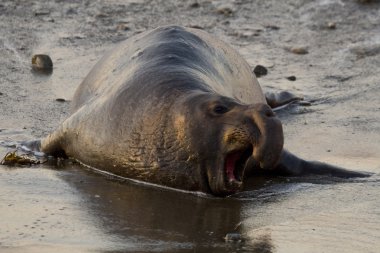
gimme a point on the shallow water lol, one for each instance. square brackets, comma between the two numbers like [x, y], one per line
[71, 208]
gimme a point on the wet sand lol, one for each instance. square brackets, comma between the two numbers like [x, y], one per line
[71, 209]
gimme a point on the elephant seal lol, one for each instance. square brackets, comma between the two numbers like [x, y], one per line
[176, 107]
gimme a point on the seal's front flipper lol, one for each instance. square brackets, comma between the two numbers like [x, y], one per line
[52, 144]
[292, 165]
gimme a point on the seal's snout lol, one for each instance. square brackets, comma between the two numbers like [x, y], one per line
[262, 111]
[250, 133]
[270, 140]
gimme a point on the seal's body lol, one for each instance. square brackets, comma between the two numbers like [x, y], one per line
[175, 107]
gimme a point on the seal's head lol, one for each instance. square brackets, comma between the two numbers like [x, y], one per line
[225, 134]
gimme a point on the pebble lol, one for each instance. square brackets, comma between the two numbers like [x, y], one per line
[225, 10]
[101, 15]
[123, 27]
[291, 78]
[233, 237]
[299, 50]
[331, 25]
[272, 27]
[42, 62]
[260, 70]
[42, 13]
[196, 27]
[71, 11]
[195, 5]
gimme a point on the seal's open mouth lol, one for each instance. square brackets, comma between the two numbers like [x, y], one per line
[234, 166]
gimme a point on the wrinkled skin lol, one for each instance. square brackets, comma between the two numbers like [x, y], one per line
[226, 134]
[178, 108]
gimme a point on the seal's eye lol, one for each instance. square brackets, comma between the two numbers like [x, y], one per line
[220, 109]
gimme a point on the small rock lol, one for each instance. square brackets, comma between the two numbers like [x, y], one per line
[195, 5]
[291, 78]
[42, 62]
[123, 27]
[299, 50]
[196, 27]
[42, 13]
[331, 25]
[102, 15]
[60, 100]
[233, 237]
[260, 70]
[225, 10]
[71, 11]
[272, 27]
[78, 37]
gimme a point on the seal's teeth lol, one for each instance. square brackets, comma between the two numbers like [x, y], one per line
[234, 184]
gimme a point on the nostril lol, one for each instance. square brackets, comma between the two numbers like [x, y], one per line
[269, 113]
[263, 111]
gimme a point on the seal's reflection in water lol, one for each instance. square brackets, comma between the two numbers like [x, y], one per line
[161, 219]
[263, 244]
